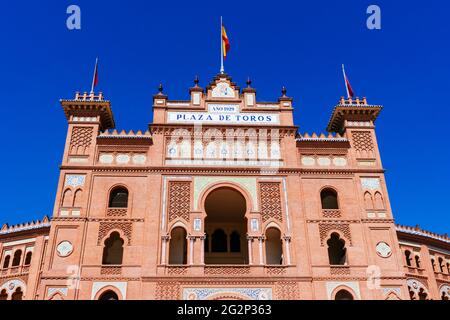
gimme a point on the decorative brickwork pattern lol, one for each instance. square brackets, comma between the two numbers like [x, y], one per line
[222, 270]
[111, 270]
[275, 270]
[80, 140]
[362, 141]
[168, 290]
[325, 229]
[179, 199]
[116, 212]
[270, 200]
[176, 270]
[106, 227]
[331, 213]
[339, 271]
[287, 290]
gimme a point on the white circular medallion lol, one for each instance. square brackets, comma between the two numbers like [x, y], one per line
[383, 250]
[64, 248]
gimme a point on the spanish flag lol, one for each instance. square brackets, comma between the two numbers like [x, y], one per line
[225, 42]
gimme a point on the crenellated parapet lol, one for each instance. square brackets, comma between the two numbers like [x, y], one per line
[26, 226]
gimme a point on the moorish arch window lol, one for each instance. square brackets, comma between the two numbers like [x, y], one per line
[178, 246]
[17, 258]
[408, 258]
[219, 242]
[118, 198]
[343, 295]
[235, 242]
[433, 264]
[113, 249]
[3, 295]
[337, 253]
[274, 251]
[441, 264]
[329, 199]
[417, 258]
[18, 294]
[109, 295]
[6, 262]
[28, 258]
[67, 198]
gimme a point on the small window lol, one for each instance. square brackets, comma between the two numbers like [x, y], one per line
[417, 258]
[28, 258]
[408, 258]
[6, 262]
[3, 295]
[329, 199]
[118, 198]
[17, 258]
[235, 242]
[18, 294]
[219, 241]
[441, 264]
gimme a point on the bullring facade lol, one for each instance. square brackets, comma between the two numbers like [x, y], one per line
[221, 198]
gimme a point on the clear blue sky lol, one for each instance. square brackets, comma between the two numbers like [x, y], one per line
[300, 44]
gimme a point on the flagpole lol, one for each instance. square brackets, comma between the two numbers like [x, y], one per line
[222, 70]
[345, 82]
[93, 76]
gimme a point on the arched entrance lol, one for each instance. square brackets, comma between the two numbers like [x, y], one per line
[226, 227]
[109, 295]
[343, 295]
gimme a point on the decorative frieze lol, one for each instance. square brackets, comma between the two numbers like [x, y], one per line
[80, 140]
[107, 226]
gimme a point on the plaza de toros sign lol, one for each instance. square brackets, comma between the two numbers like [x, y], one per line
[223, 114]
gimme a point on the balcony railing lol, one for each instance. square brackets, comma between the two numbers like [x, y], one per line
[15, 270]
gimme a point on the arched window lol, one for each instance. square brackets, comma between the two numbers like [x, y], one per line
[17, 295]
[178, 246]
[28, 258]
[336, 250]
[448, 267]
[379, 203]
[113, 249]
[329, 199]
[422, 294]
[408, 258]
[274, 251]
[417, 258]
[219, 241]
[118, 198]
[108, 295]
[343, 295]
[77, 198]
[17, 258]
[3, 295]
[441, 264]
[6, 262]
[235, 242]
[433, 264]
[368, 202]
[67, 198]
[411, 293]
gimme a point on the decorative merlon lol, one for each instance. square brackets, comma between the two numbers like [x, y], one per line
[329, 137]
[6, 229]
[418, 231]
[123, 134]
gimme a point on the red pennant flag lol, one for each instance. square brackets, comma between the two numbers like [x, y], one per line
[95, 78]
[348, 87]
